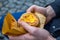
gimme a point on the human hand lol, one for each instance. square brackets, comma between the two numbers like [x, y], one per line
[34, 33]
[47, 11]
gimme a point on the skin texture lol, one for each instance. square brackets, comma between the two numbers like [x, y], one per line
[35, 33]
[47, 11]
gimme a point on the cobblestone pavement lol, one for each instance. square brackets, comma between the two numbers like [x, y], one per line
[19, 5]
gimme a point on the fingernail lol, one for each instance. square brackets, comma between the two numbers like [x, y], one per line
[28, 12]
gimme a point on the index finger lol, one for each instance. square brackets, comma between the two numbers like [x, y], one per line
[26, 26]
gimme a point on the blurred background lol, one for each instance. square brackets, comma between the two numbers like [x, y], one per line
[19, 5]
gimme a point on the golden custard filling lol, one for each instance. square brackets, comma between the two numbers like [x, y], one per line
[12, 28]
[30, 18]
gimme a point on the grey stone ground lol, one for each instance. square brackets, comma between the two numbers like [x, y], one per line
[19, 5]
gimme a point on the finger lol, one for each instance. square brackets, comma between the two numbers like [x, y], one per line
[15, 38]
[22, 37]
[35, 8]
[29, 28]
[31, 9]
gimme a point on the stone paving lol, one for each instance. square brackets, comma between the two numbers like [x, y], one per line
[19, 5]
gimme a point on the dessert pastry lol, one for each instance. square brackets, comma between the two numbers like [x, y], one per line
[12, 28]
[30, 18]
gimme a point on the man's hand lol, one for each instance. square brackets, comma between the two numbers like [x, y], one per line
[34, 33]
[48, 11]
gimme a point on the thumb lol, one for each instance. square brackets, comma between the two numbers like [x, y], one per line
[37, 32]
[27, 27]
[31, 9]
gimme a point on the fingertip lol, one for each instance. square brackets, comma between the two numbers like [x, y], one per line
[28, 10]
[24, 24]
[19, 21]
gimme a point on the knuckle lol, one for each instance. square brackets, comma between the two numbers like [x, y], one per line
[33, 5]
[35, 31]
